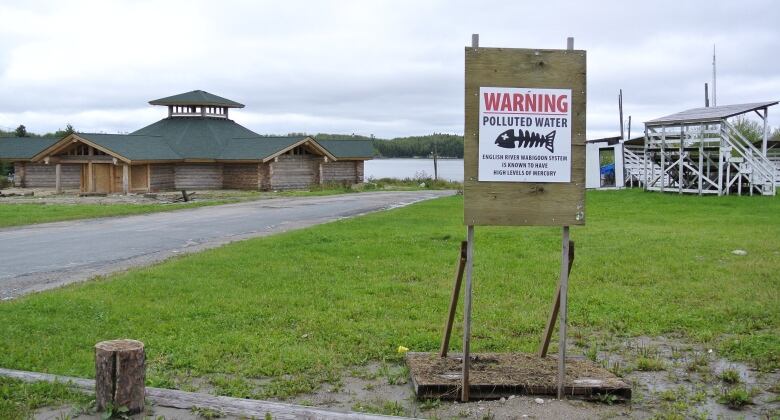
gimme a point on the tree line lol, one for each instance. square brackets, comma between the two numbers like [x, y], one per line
[21, 131]
[445, 145]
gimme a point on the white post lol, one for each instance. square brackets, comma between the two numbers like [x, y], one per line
[663, 158]
[766, 129]
[644, 161]
[701, 155]
[680, 162]
[722, 133]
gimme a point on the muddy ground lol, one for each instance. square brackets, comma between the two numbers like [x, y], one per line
[669, 379]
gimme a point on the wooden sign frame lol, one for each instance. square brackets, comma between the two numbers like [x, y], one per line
[504, 203]
[515, 203]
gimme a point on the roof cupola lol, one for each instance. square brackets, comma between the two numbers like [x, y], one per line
[197, 103]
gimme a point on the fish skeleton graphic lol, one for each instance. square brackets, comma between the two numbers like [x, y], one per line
[509, 140]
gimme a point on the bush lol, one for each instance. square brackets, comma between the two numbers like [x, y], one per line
[5, 182]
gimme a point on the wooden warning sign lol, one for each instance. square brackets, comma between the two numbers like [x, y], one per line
[524, 158]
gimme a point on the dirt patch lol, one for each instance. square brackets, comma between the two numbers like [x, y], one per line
[688, 384]
[672, 378]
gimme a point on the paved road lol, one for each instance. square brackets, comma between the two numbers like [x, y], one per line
[44, 256]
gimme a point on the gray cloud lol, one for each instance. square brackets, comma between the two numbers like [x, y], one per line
[387, 68]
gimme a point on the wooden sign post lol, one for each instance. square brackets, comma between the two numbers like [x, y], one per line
[524, 160]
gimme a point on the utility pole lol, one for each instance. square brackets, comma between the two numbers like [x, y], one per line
[620, 107]
[706, 96]
[629, 128]
[714, 79]
[435, 163]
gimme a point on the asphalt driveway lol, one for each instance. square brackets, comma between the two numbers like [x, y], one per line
[39, 257]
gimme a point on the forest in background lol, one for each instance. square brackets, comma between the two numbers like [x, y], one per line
[446, 145]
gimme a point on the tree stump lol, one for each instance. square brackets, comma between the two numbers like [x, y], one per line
[120, 375]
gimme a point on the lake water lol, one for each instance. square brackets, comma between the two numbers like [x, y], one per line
[449, 169]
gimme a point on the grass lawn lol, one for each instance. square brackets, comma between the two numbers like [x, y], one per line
[26, 213]
[30, 213]
[19, 400]
[301, 306]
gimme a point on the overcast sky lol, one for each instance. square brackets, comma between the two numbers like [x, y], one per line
[388, 68]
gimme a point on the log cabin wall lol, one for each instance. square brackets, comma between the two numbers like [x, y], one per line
[339, 172]
[264, 176]
[240, 176]
[292, 172]
[163, 177]
[359, 171]
[201, 176]
[18, 174]
[38, 175]
[139, 178]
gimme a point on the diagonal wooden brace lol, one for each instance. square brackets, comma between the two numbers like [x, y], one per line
[548, 331]
[445, 342]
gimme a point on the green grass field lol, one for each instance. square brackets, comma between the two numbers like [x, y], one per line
[30, 213]
[302, 306]
[27, 213]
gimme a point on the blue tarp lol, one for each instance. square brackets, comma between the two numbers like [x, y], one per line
[608, 169]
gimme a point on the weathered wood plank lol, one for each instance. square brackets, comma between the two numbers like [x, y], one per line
[498, 375]
[342, 171]
[45, 176]
[162, 177]
[445, 341]
[295, 172]
[193, 176]
[240, 176]
[188, 400]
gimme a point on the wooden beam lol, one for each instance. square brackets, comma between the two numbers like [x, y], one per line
[23, 174]
[125, 179]
[90, 178]
[238, 407]
[555, 308]
[58, 178]
[464, 396]
[445, 342]
[564, 311]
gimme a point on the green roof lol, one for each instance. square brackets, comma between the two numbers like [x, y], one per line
[134, 147]
[256, 147]
[345, 149]
[197, 97]
[197, 137]
[23, 148]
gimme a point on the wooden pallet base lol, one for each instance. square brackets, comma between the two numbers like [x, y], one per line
[496, 375]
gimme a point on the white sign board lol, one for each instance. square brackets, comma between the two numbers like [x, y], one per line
[524, 135]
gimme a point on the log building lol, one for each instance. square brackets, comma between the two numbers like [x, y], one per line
[196, 147]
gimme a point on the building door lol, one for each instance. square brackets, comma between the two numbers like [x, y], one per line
[102, 177]
[139, 180]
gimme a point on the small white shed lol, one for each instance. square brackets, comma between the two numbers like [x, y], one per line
[604, 168]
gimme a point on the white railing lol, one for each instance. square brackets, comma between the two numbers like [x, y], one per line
[763, 170]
